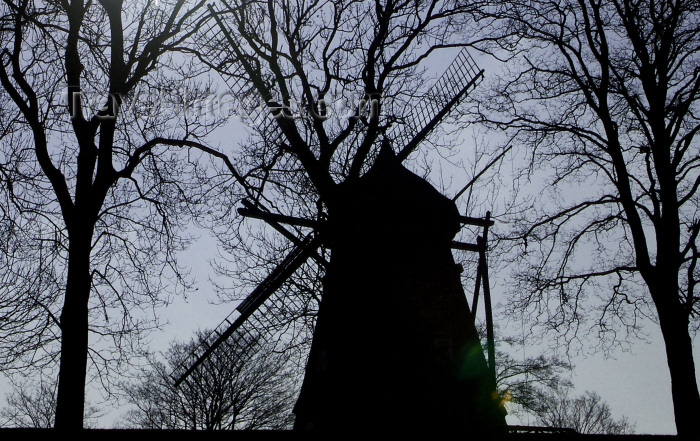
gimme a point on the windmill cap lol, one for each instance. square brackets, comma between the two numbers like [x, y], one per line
[389, 200]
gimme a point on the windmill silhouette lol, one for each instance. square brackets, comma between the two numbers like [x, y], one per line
[413, 358]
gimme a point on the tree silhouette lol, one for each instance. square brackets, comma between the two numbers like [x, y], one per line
[34, 405]
[245, 386]
[527, 384]
[604, 95]
[93, 203]
[586, 413]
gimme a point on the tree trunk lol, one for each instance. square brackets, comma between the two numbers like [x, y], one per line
[70, 400]
[673, 322]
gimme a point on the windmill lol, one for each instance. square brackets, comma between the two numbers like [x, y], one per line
[371, 207]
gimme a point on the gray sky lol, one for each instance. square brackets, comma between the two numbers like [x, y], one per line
[635, 384]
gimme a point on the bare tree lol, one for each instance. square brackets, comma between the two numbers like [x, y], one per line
[603, 95]
[244, 387]
[29, 408]
[326, 71]
[586, 413]
[93, 202]
[527, 383]
[34, 405]
[539, 389]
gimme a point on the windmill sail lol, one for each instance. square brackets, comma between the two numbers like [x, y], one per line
[222, 56]
[248, 306]
[448, 91]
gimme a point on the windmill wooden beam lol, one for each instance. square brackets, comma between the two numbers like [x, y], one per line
[476, 221]
[278, 218]
[275, 220]
[466, 246]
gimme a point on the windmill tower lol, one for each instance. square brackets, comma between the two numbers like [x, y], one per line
[395, 345]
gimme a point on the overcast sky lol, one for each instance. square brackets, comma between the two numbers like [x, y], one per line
[635, 384]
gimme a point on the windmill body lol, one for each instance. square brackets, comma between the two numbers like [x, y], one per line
[395, 347]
